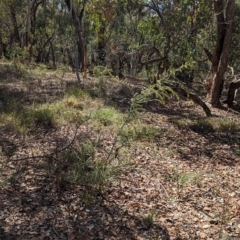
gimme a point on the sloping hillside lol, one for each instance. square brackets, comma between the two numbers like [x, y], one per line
[77, 164]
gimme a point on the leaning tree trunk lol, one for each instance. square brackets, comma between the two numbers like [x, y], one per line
[219, 58]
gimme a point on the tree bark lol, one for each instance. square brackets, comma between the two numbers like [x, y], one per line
[1, 39]
[34, 6]
[77, 21]
[28, 23]
[214, 84]
[192, 96]
[16, 37]
[231, 92]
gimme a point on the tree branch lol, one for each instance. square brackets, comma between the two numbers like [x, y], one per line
[56, 151]
[191, 96]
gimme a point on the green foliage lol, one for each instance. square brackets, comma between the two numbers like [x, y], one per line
[77, 93]
[43, 117]
[185, 178]
[228, 126]
[18, 54]
[98, 89]
[208, 125]
[108, 116]
[79, 165]
[13, 70]
[140, 132]
[179, 32]
[100, 71]
[14, 122]
[24, 120]
[181, 123]
[156, 92]
[148, 220]
[202, 126]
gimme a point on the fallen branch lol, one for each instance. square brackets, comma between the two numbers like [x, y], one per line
[191, 96]
[57, 151]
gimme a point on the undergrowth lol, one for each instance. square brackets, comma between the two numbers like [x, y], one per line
[207, 125]
[97, 156]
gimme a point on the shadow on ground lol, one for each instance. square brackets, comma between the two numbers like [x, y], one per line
[32, 214]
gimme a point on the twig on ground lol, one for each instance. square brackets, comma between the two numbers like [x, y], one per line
[56, 151]
[57, 233]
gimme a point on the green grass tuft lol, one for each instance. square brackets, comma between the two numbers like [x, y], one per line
[228, 126]
[79, 165]
[77, 93]
[42, 116]
[108, 116]
[203, 126]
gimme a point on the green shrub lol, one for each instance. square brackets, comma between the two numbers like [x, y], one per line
[100, 71]
[79, 165]
[43, 117]
[77, 93]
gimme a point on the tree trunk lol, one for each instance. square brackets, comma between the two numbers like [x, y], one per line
[214, 84]
[28, 23]
[77, 21]
[34, 7]
[101, 44]
[182, 92]
[1, 39]
[231, 92]
[16, 37]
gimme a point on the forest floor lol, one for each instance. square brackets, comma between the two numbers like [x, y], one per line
[168, 172]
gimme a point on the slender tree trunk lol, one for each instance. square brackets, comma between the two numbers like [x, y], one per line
[28, 23]
[85, 62]
[219, 59]
[1, 39]
[77, 21]
[101, 44]
[16, 36]
[53, 55]
[232, 91]
[34, 7]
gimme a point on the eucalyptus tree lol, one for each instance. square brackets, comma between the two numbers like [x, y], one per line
[1, 29]
[77, 9]
[224, 12]
[102, 20]
[176, 26]
[44, 28]
[12, 17]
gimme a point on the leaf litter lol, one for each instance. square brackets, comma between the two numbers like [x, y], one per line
[181, 185]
